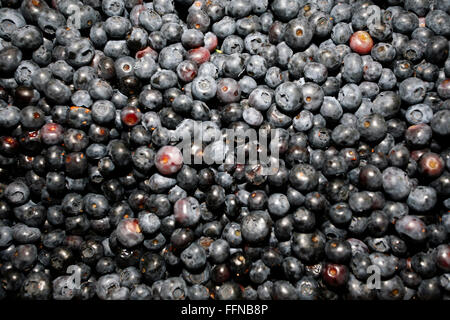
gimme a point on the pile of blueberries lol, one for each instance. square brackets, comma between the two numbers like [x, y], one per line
[97, 201]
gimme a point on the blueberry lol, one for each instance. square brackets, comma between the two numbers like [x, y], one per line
[405, 22]
[17, 193]
[129, 233]
[308, 246]
[437, 123]
[298, 33]
[392, 289]
[335, 275]
[36, 286]
[6, 236]
[219, 251]
[353, 68]
[11, 58]
[193, 257]
[412, 228]
[255, 228]
[437, 21]
[107, 286]
[412, 90]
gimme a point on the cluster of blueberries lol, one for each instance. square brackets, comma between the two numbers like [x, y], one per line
[98, 202]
